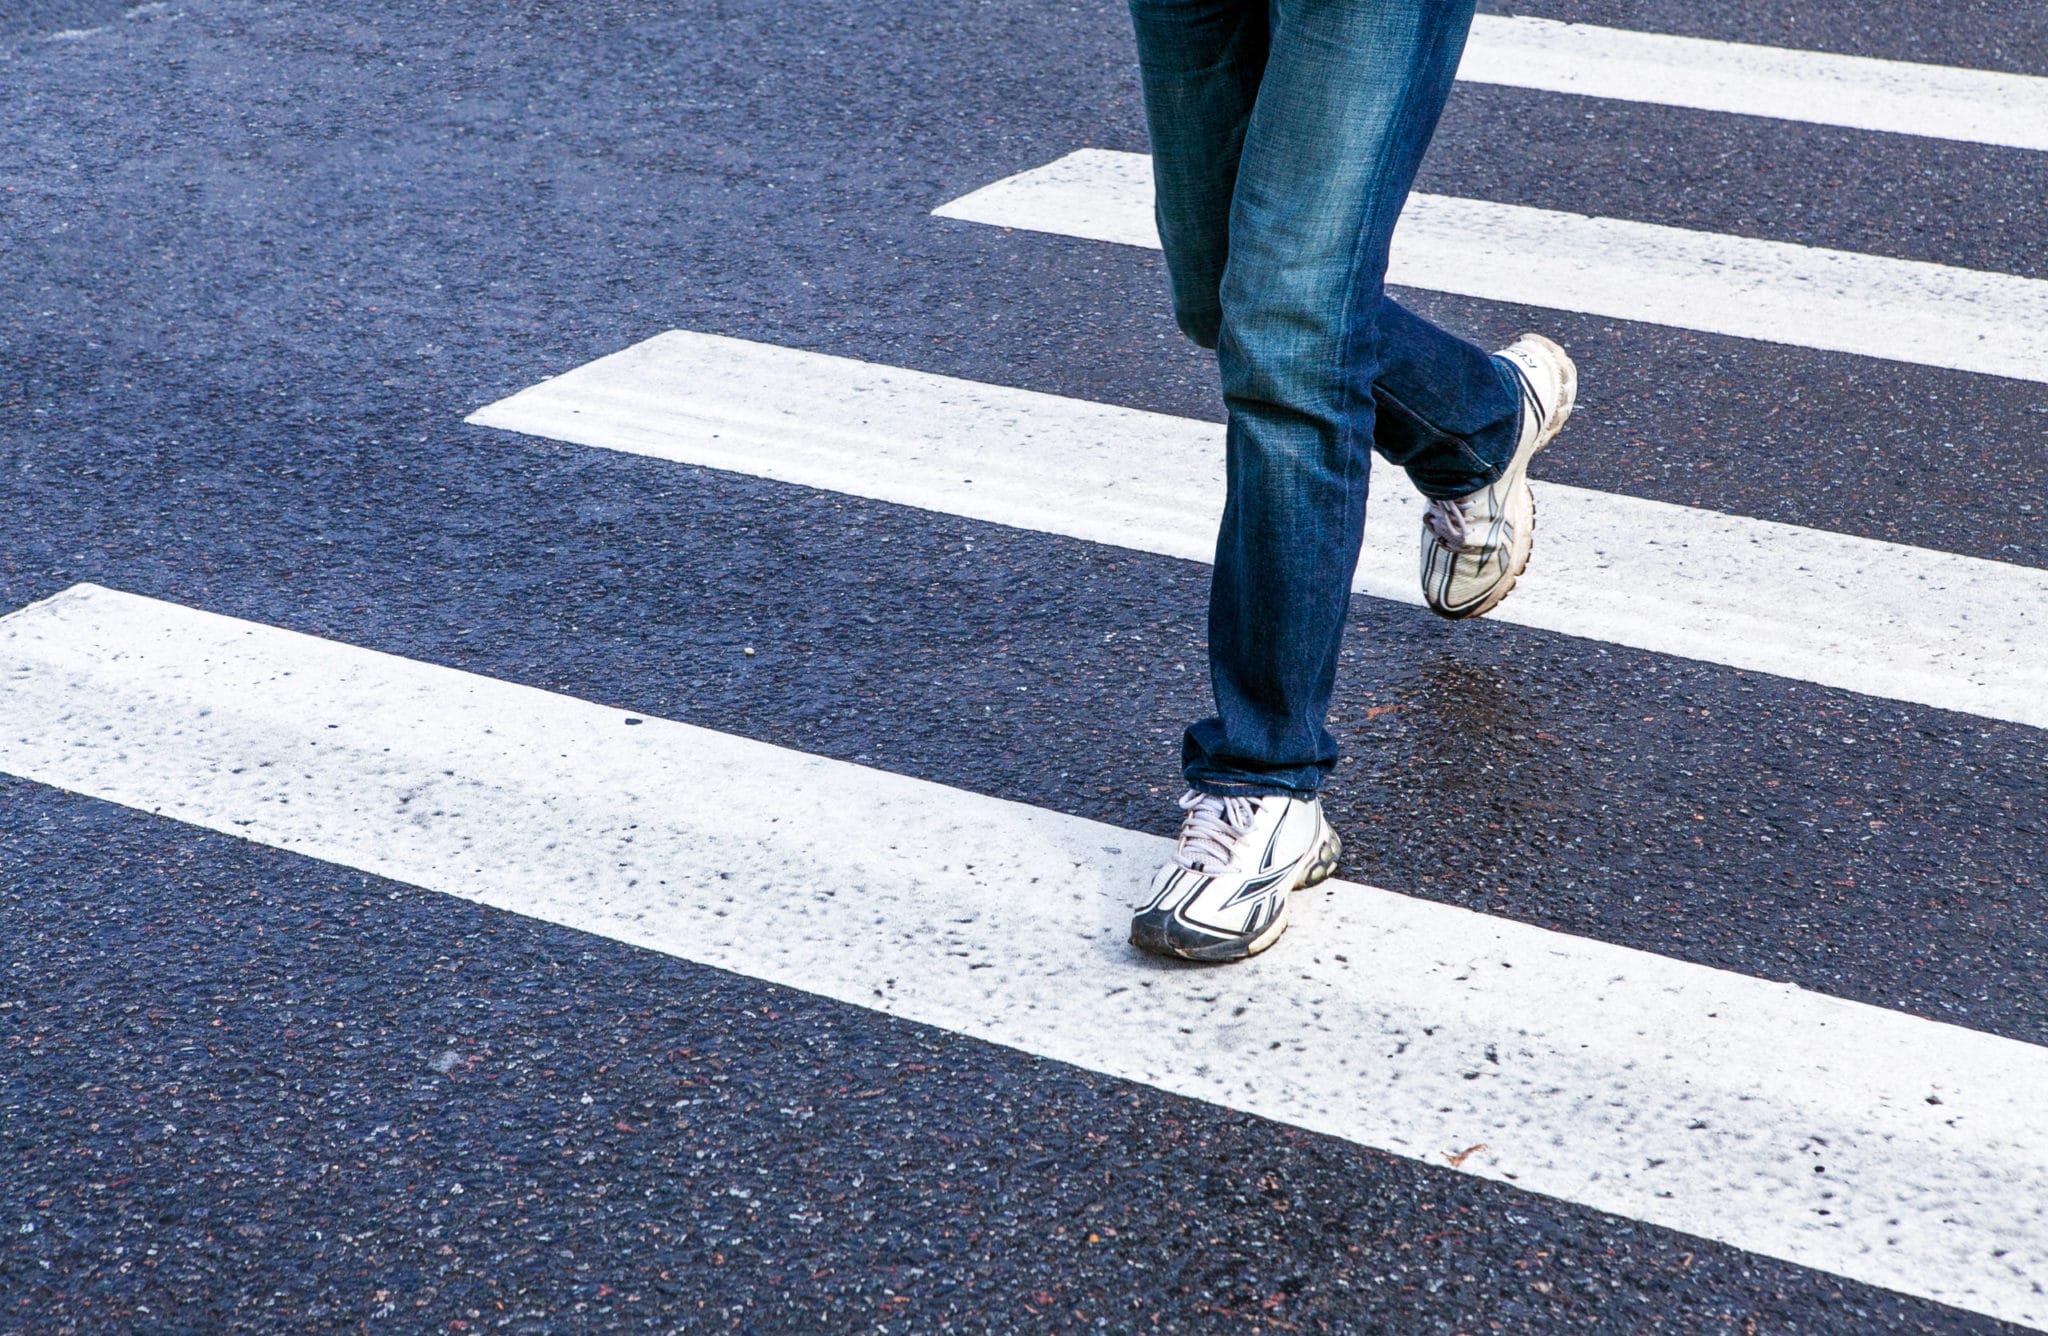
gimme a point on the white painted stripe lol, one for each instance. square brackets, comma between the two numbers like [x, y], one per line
[1882, 1147]
[1840, 301]
[1932, 101]
[1879, 618]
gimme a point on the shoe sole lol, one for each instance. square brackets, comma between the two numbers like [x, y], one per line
[1525, 537]
[1315, 872]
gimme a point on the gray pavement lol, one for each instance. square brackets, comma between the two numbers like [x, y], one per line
[259, 259]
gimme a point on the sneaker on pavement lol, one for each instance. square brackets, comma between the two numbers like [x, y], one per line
[1474, 546]
[1224, 895]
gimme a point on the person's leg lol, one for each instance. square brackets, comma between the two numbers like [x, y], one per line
[1319, 367]
[1200, 63]
[1443, 408]
[1286, 134]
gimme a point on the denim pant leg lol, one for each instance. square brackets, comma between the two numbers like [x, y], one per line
[1286, 134]
[1443, 409]
[1200, 63]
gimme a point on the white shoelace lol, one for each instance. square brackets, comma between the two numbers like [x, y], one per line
[1446, 519]
[1212, 829]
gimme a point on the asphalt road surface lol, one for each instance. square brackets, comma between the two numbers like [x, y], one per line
[259, 261]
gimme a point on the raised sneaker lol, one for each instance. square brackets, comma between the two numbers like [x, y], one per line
[1474, 546]
[1224, 895]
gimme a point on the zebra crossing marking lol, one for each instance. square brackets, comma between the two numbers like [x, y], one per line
[1819, 87]
[1882, 619]
[1882, 1147]
[1772, 291]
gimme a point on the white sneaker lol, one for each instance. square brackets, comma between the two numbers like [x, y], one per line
[1474, 546]
[1224, 896]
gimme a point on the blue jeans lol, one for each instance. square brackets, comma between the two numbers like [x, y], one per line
[1285, 137]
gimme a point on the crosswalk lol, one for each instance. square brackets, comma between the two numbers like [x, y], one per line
[1898, 97]
[1883, 619]
[1865, 1143]
[1770, 291]
[1893, 1150]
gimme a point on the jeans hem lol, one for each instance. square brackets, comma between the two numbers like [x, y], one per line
[1430, 493]
[1233, 788]
[1485, 473]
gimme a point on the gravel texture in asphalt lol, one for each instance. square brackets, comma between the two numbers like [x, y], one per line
[257, 260]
